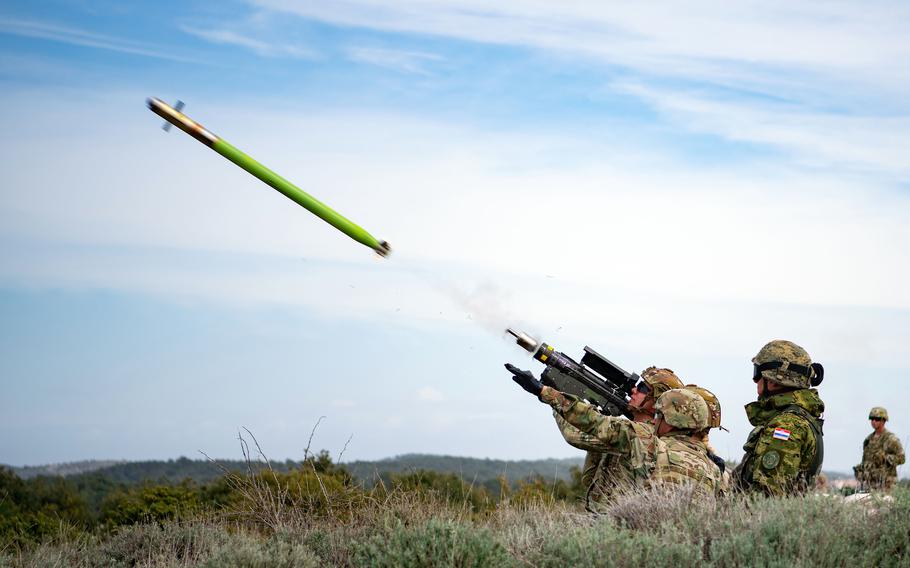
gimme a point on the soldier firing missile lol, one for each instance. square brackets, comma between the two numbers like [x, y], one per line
[302, 198]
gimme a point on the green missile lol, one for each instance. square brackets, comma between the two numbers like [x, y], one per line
[302, 198]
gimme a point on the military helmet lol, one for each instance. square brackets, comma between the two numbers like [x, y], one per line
[878, 412]
[660, 380]
[683, 409]
[786, 364]
[711, 401]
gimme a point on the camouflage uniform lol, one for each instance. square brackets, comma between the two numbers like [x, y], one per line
[714, 416]
[649, 460]
[882, 453]
[784, 451]
[607, 471]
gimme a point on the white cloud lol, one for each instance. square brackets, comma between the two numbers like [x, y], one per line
[75, 36]
[395, 59]
[700, 39]
[873, 143]
[827, 81]
[429, 394]
[444, 196]
[260, 47]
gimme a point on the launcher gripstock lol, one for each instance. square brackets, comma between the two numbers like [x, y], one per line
[595, 380]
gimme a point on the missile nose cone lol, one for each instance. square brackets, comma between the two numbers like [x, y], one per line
[527, 342]
[154, 103]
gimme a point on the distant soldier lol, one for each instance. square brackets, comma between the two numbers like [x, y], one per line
[882, 453]
[607, 471]
[666, 453]
[713, 422]
[784, 451]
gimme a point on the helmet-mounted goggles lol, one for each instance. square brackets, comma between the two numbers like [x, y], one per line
[814, 372]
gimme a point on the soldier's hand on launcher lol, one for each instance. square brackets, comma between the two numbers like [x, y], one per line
[525, 379]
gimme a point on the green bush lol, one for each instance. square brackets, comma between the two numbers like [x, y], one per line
[279, 551]
[38, 508]
[449, 488]
[150, 503]
[607, 545]
[815, 530]
[438, 544]
[539, 490]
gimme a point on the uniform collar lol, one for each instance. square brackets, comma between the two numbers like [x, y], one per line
[765, 408]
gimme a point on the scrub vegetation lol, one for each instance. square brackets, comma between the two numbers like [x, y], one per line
[318, 514]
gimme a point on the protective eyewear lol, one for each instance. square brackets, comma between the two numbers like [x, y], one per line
[814, 372]
[643, 387]
[876, 419]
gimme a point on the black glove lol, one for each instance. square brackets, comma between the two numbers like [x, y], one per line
[525, 379]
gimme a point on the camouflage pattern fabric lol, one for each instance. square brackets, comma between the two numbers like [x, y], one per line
[714, 414]
[650, 460]
[605, 471]
[660, 380]
[787, 352]
[683, 409]
[882, 453]
[781, 449]
[878, 412]
[726, 480]
[680, 459]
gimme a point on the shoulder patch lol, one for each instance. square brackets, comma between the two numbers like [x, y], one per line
[770, 460]
[781, 434]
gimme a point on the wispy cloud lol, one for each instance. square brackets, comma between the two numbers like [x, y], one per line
[429, 394]
[395, 59]
[661, 37]
[260, 47]
[818, 138]
[815, 56]
[75, 36]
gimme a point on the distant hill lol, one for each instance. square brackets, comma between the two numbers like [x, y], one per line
[468, 468]
[204, 471]
[64, 469]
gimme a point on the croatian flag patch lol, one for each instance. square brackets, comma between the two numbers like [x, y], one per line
[781, 434]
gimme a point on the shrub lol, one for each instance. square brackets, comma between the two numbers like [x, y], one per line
[607, 545]
[36, 509]
[150, 503]
[246, 551]
[449, 488]
[540, 490]
[438, 544]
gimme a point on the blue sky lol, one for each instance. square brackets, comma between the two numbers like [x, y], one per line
[670, 185]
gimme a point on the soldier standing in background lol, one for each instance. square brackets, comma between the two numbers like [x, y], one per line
[606, 471]
[666, 453]
[784, 451]
[882, 453]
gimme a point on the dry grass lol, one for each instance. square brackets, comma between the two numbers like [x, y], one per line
[317, 516]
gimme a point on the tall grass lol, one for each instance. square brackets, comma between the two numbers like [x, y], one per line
[417, 526]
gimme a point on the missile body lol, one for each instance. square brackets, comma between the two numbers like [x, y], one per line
[290, 190]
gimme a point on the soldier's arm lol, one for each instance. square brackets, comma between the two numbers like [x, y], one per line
[611, 433]
[894, 452]
[785, 446]
[576, 438]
